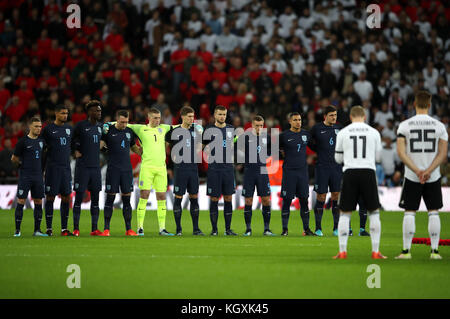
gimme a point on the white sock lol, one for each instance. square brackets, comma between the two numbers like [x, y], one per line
[409, 228]
[434, 228]
[375, 230]
[343, 229]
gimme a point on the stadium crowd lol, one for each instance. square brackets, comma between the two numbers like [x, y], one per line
[268, 57]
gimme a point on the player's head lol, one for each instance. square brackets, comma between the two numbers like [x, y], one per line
[422, 100]
[61, 113]
[122, 117]
[295, 120]
[94, 109]
[330, 115]
[220, 114]
[35, 126]
[154, 117]
[258, 124]
[187, 115]
[357, 114]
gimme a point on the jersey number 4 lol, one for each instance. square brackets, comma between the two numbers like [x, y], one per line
[422, 136]
[355, 145]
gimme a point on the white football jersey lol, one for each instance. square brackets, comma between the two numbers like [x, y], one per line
[360, 146]
[422, 134]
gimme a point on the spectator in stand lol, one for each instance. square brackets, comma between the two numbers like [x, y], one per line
[7, 169]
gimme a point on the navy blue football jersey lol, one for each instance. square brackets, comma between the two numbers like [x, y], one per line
[58, 139]
[225, 141]
[324, 143]
[256, 148]
[29, 151]
[119, 143]
[179, 140]
[86, 140]
[294, 146]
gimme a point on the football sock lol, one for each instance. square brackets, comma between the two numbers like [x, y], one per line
[18, 214]
[285, 212]
[77, 210]
[127, 210]
[194, 209]
[108, 210]
[94, 210]
[335, 212]
[343, 230]
[228, 214]
[375, 230]
[409, 228]
[266, 217]
[161, 212]
[142, 207]
[304, 213]
[37, 216]
[64, 210]
[248, 216]
[177, 212]
[49, 213]
[213, 214]
[318, 213]
[434, 229]
[362, 217]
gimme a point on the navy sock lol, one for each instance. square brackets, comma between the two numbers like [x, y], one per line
[77, 210]
[335, 212]
[64, 209]
[318, 213]
[94, 211]
[177, 212]
[228, 214]
[18, 215]
[214, 214]
[108, 210]
[362, 218]
[304, 213]
[49, 213]
[37, 217]
[285, 212]
[248, 216]
[127, 211]
[266, 217]
[194, 209]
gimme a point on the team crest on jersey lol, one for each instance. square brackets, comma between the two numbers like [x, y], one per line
[176, 188]
[48, 188]
[304, 138]
[336, 131]
[108, 187]
[264, 140]
[68, 131]
[99, 130]
[128, 135]
[20, 191]
[193, 134]
[41, 144]
[160, 130]
[229, 134]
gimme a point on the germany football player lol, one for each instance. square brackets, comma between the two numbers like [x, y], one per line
[58, 175]
[218, 140]
[186, 154]
[28, 156]
[119, 139]
[422, 145]
[86, 144]
[255, 144]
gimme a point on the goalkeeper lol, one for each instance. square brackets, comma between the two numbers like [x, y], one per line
[153, 172]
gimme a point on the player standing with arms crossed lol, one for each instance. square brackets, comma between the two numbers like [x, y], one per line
[28, 156]
[295, 181]
[422, 147]
[358, 147]
[58, 175]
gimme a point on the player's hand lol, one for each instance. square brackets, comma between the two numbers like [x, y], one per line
[140, 151]
[78, 154]
[425, 176]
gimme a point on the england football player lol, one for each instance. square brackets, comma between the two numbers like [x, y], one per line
[257, 143]
[294, 183]
[28, 156]
[86, 144]
[58, 176]
[358, 147]
[119, 139]
[219, 139]
[422, 147]
[187, 137]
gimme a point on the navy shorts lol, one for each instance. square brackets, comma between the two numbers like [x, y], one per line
[220, 182]
[328, 177]
[58, 180]
[185, 180]
[253, 178]
[295, 183]
[35, 184]
[89, 178]
[115, 178]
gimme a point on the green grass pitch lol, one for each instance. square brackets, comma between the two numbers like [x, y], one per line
[219, 267]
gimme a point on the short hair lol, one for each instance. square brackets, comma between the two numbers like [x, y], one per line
[123, 113]
[357, 111]
[154, 110]
[92, 103]
[422, 99]
[258, 118]
[329, 109]
[294, 114]
[220, 108]
[60, 107]
[34, 119]
[185, 110]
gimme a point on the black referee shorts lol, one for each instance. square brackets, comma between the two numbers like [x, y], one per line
[412, 193]
[359, 183]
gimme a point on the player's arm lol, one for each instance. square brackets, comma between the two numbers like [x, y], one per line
[133, 146]
[312, 143]
[135, 127]
[339, 150]
[440, 158]
[76, 145]
[378, 148]
[401, 151]
[18, 153]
